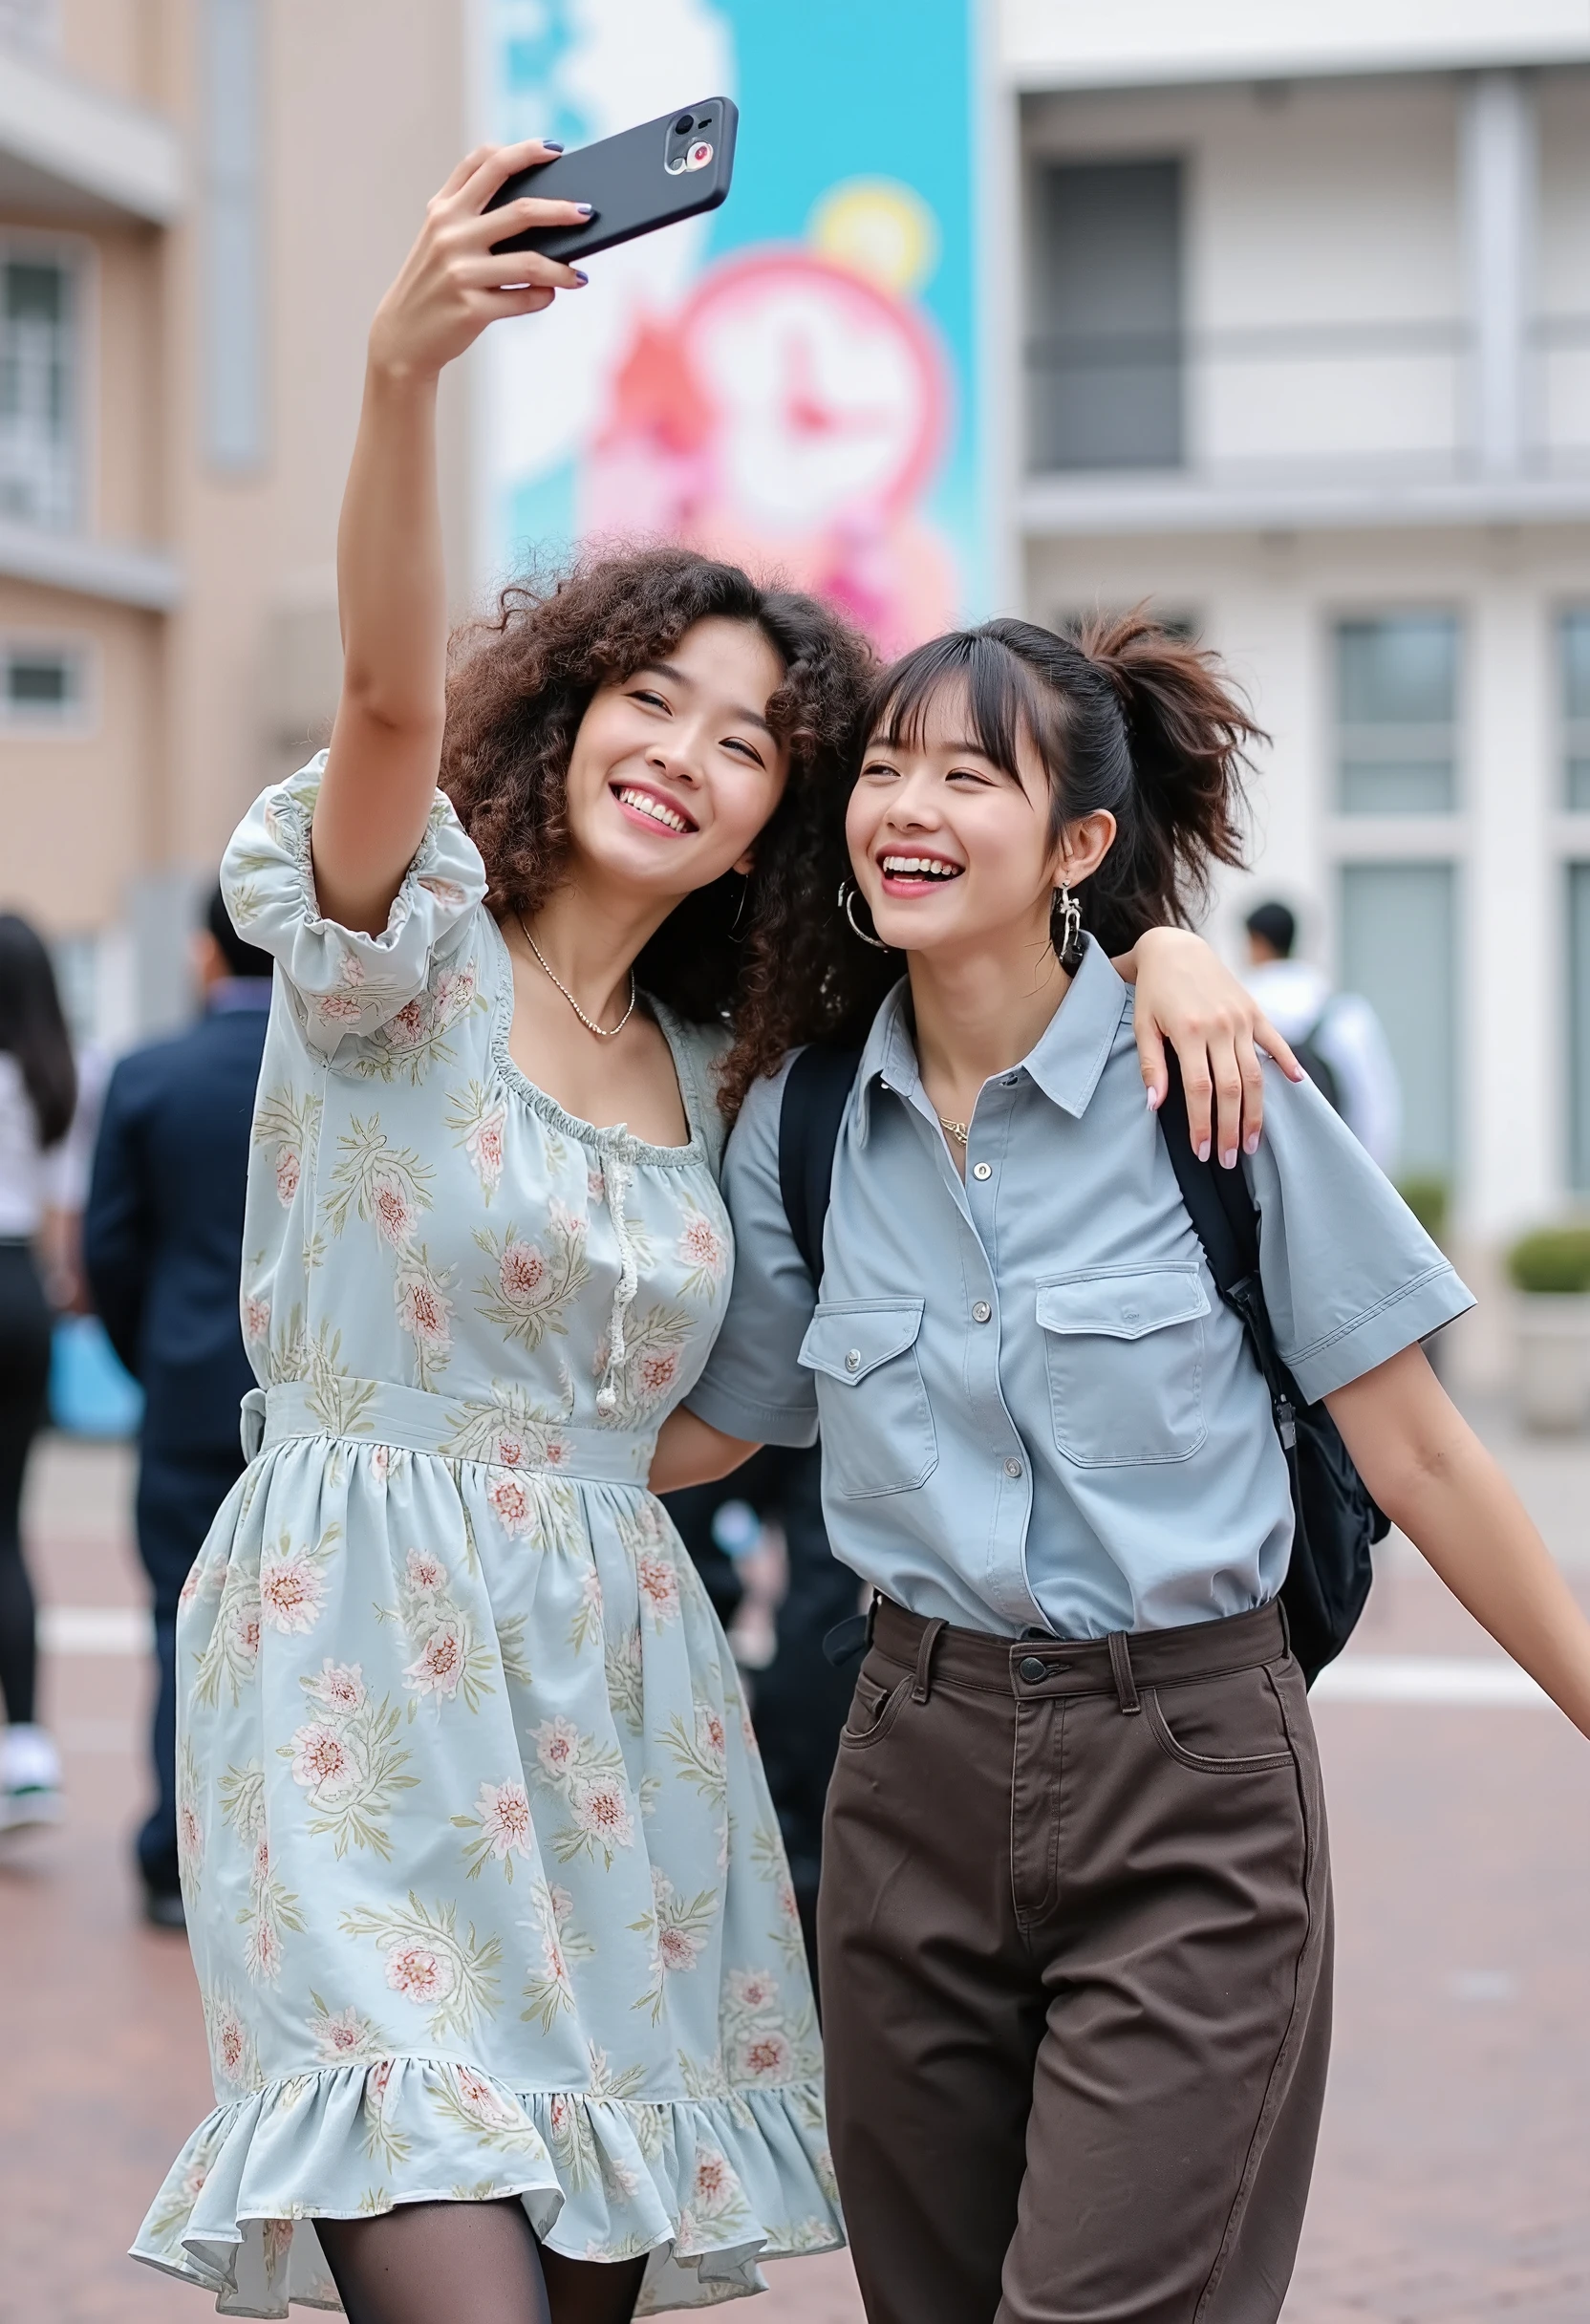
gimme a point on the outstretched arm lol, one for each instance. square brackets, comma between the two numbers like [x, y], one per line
[386, 742]
[1433, 1477]
[1187, 996]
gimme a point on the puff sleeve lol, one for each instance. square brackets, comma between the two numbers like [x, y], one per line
[344, 986]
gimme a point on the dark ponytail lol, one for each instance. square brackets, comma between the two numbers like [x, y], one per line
[33, 1027]
[1124, 717]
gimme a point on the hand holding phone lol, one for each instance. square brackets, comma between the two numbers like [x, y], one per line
[672, 168]
[454, 282]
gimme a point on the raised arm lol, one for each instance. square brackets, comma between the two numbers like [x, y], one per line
[386, 742]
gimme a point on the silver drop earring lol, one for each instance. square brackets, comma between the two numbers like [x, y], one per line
[1065, 929]
[846, 905]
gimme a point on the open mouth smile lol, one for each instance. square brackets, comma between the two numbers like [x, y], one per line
[650, 809]
[913, 874]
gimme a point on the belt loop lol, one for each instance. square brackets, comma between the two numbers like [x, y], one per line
[1121, 1670]
[922, 1685]
[1285, 1628]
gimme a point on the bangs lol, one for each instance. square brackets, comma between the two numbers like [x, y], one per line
[1000, 703]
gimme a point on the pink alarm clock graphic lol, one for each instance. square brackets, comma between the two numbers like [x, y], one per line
[789, 415]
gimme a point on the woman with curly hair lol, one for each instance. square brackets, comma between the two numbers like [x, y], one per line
[500, 1966]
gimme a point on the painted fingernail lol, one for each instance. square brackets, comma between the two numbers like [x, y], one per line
[586, 209]
[579, 277]
[551, 145]
[1228, 1160]
[1153, 1101]
[1203, 1151]
[1250, 1144]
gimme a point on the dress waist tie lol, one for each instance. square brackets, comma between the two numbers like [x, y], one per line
[497, 1431]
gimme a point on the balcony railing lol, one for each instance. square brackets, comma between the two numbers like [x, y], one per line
[1299, 401]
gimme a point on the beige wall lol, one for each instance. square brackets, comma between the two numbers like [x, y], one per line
[72, 805]
[364, 113]
[364, 117]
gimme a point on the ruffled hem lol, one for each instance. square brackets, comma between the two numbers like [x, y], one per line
[710, 2187]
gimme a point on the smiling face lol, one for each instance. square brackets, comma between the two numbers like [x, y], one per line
[675, 770]
[951, 849]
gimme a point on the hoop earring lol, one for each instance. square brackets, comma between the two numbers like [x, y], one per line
[739, 909]
[1066, 938]
[846, 905]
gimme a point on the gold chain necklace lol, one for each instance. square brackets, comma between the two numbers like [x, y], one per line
[603, 1032]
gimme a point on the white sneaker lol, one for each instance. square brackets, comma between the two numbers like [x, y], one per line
[29, 1778]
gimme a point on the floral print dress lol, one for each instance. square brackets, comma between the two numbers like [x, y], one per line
[485, 1893]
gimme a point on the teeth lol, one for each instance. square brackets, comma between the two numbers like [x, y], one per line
[646, 805]
[912, 866]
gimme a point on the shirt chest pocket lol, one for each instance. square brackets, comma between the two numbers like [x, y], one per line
[877, 1427]
[1125, 1350]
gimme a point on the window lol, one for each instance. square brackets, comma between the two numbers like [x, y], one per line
[38, 451]
[42, 685]
[1576, 706]
[1396, 688]
[1107, 352]
[1397, 949]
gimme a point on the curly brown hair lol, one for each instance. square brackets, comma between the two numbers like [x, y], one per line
[756, 952]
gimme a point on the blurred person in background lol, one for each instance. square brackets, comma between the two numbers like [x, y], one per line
[1338, 1038]
[38, 1089]
[163, 1245]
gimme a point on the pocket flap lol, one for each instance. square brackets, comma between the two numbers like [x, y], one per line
[1122, 1303]
[852, 1338]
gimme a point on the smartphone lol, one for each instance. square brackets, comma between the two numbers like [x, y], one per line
[674, 167]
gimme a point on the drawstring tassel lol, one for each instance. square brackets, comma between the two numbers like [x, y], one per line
[616, 1182]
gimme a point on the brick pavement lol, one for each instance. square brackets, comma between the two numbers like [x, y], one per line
[1451, 2184]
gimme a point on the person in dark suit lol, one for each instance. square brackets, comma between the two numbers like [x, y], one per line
[163, 1246]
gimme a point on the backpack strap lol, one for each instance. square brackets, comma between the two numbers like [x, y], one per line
[1226, 1221]
[810, 1111]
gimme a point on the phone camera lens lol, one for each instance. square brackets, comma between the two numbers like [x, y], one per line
[685, 123]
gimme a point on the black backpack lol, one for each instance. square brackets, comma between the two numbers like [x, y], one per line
[1336, 1521]
[1316, 1065]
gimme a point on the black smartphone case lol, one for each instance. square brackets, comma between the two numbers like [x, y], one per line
[627, 182]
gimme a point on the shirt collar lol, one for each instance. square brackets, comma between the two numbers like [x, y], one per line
[1066, 1061]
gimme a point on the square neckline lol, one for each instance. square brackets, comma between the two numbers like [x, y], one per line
[609, 1137]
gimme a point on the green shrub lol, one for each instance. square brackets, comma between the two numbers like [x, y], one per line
[1430, 1200]
[1553, 1259]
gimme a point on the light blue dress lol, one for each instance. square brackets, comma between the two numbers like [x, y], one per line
[486, 1893]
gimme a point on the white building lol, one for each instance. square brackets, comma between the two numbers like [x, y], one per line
[1299, 345]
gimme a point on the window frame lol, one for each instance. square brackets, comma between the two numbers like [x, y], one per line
[82, 718]
[78, 256]
[1343, 618]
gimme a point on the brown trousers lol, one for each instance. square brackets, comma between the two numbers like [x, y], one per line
[1075, 1936]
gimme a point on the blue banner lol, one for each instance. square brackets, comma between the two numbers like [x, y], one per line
[791, 380]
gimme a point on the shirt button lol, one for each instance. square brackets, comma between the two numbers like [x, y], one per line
[1013, 1467]
[1032, 1669]
[981, 1311]
[852, 1360]
[983, 1169]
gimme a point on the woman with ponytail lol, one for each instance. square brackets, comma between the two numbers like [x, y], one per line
[1075, 1929]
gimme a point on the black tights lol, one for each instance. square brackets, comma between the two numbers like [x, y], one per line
[468, 2262]
[24, 1374]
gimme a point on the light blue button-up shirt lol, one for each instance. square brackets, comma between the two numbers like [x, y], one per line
[1036, 1411]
